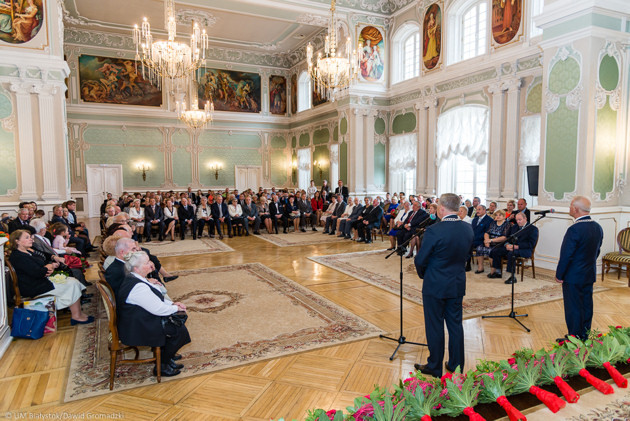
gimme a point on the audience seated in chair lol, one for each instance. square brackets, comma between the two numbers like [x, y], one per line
[523, 246]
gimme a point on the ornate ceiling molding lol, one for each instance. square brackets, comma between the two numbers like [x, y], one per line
[187, 16]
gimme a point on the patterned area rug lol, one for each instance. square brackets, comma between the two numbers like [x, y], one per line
[592, 405]
[226, 305]
[186, 247]
[483, 295]
[300, 238]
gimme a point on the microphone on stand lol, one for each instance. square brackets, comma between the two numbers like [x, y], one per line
[545, 212]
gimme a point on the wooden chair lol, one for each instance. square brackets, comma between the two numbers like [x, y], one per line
[520, 263]
[116, 348]
[620, 258]
[19, 300]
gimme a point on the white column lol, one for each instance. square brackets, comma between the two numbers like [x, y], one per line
[512, 136]
[368, 138]
[356, 147]
[49, 139]
[421, 152]
[431, 103]
[28, 183]
[494, 147]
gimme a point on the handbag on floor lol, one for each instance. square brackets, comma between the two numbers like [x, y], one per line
[28, 324]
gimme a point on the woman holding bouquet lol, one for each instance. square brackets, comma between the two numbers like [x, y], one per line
[33, 272]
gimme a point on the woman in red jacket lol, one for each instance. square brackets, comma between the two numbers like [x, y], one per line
[318, 206]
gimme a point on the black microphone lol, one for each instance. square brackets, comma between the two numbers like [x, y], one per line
[545, 212]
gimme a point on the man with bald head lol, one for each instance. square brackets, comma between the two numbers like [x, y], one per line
[577, 267]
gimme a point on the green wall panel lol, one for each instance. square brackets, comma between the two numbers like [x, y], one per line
[606, 136]
[321, 154]
[304, 139]
[379, 126]
[561, 150]
[293, 142]
[294, 177]
[229, 158]
[182, 175]
[404, 123]
[336, 134]
[321, 136]
[279, 163]
[379, 164]
[564, 76]
[8, 169]
[609, 73]
[128, 157]
[6, 108]
[343, 162]
[278, 142]
[223, 139]
[180, 138]
[343, 126]
[534, 99]
[117, 136]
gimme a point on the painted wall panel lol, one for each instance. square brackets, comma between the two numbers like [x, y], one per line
[321, 154]
[379, 164]
[279, 163]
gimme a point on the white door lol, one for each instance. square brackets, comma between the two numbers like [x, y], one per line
[102, 179]
[248, 177]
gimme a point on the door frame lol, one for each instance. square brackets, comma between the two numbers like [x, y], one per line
[88, 176]
[259, 168]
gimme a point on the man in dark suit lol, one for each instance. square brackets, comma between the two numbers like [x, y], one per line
[276, 210]
[472, 209]
[364, 212]
[342, 190]
[82, 244]
[186, 214]
[220, 215]
[115, 272]
[331, 221]
[441, 263]
[480, 224]
[306, 213]
[21, 222]
[411, 223]
[77, 226]
[250, 215]
[577, 267]
[153, 215]
[521, 207]
[524, 244]
[371, 220]
[345, 226]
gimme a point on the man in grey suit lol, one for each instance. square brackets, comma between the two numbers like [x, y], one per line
[306, 212]
[345, 225]
[331, 221]
[250, 215]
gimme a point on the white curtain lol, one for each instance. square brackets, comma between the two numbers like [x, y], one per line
[402, 162]
[334, 164]
[463, 131]
[529, 153]
[304, 168]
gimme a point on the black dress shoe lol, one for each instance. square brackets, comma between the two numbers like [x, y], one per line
[177, 357]
[468, 267]
[256, 232]
[511, 280]
[324, 232]
[494, 275]
[170, 278]
[424, 370]
[368, 241]
[447, 368]
[174, 365]
[563, 339]
[331, 233]
[166, 371]
[361, 240]
[314, 229]
[479, 271]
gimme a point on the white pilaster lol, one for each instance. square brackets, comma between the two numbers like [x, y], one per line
[49, 139]
[356, 147]
[431, 103]
[421, 148]
[512, 129]
[28, 182]
[368, 130]
[494, 148]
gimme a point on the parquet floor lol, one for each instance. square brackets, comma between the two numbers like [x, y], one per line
[33, 373]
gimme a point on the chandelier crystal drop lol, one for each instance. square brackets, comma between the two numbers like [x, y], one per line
[195, 118]
[333, 72]
[169, 59]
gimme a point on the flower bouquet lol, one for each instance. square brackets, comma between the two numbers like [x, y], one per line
[528, 373]
[605, 351]
[423, 397]
[321, 415]
[623, 337]
[378, 406]
[578, 356]
[494, 386]
[555, 366]
[59, 277]
[461, 397]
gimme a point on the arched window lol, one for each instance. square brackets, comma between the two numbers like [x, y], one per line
[467, 33]
[406, 53]
[462, 151]
[304, 92]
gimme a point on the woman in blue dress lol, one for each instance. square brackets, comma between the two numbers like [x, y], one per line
[496, 233]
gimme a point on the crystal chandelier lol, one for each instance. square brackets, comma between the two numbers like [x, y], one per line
[169, 59]
[333, 72]
[195, 118]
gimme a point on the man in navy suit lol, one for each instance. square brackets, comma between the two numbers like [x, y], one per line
[577, 267]
[250, 215]
[441, 263]
[480, 224]
[524, 244]
[412, 222]
[371, 220]
[276, 210]
[220, 214]
[153, 215]
[186, 214]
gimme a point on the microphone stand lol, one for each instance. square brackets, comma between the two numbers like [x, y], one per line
[400, 250]
[511, 240]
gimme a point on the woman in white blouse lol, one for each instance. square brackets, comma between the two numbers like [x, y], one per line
[170, 218]
[136, 214]
[310, 192]
[345, 215]
[236, 214]
[398, 222]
